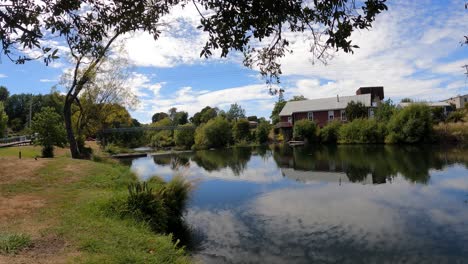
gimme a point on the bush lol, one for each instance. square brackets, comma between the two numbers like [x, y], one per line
[305, 129]
[438, 114]
[262, 131]
[412, 124]
[13, 243]
[241, 130]
[186, 137]
[456, 116]
[51, 132]
[329, 133]
[362, 131]
[216, 133]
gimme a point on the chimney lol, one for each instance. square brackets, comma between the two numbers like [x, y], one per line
[337, 98]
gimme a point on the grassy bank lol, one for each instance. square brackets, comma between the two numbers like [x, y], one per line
[61, 204]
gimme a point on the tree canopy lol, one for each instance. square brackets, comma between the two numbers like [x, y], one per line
[3, 120]
[4, 93]
[235, 112]
[90, 27]
[355, 110]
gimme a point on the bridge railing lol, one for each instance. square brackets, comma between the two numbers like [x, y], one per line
[14, 139]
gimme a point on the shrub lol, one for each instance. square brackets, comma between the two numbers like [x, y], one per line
[305, 129]
[438, 114]
[13, 243]
[456, 116]
[161, 138]
[185, 137]
[215, 133]
[262, 131]
[329, 133]
[411, 125]
[241, 130]
[362, 131]
[50, 129]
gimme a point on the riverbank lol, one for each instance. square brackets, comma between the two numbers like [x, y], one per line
[58, 206]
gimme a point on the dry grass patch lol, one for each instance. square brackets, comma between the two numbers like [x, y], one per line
[13, 169]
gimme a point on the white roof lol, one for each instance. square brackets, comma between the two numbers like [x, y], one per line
[431, 104]
[322, 104]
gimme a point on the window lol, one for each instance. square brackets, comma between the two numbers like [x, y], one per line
[343, 115]
[331, 115]
[310, 116]
[466, 100]
[289, 119]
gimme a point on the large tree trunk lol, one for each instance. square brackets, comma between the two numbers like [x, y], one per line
[74, 149]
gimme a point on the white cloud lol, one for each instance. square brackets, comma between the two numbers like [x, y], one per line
[405, 52]
[48, 80]
[3, 75]
[253, 98]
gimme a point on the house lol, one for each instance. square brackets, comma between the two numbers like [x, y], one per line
[444, 105]
[459, 101]
[324, 110]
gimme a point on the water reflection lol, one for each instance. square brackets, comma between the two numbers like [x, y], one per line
[346, 204]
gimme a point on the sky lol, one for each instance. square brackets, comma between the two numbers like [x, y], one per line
[413, 50]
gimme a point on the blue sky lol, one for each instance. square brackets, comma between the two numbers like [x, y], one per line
[413, 50]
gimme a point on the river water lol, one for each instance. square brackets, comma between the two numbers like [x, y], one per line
[345, 204]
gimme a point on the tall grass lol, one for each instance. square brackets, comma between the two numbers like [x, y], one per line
[160, 205]
[13, 243]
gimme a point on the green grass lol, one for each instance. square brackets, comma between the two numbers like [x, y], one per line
[78, 193]
[26, 151]
[13, 243]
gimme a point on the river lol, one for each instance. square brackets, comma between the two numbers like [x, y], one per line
[345, 204]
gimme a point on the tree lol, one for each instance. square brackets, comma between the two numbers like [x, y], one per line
[252, 118]
[216, 133]
[162, 138]
[158, 117]
[384, 111]
[275, 112]
[48, 124]
[235, 112]
[102, 103]
[3, 120]
[406, 100]
[4, 93]
[204, 115]
[185, 137]
[262, 131]
[91, 27]
[19, 107]
[298, 98]
[355, 110]
[178, 118]
[241, 130]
